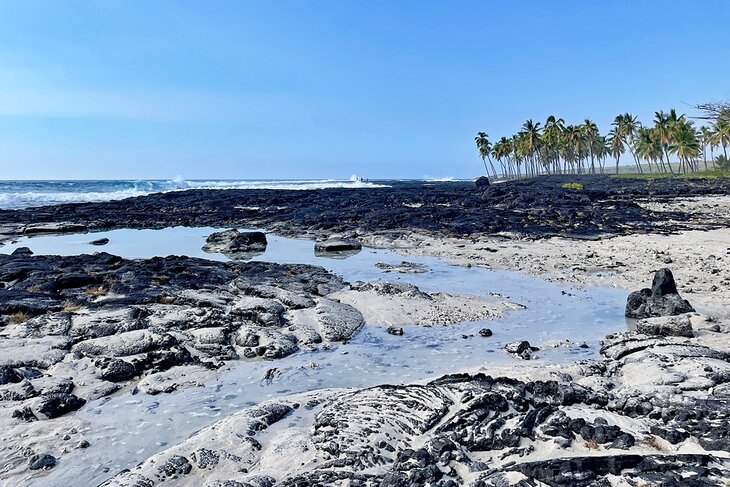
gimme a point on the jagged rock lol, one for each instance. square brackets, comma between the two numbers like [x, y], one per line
[662, 299]
[25, 414]
[9, 374]
[57, 404]
[176, 465]
[680, 326]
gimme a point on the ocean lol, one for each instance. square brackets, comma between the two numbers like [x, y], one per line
[23, 194]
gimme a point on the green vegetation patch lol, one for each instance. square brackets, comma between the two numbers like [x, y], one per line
[573, 186]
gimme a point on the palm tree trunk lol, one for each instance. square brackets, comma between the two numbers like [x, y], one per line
[637, 162]
[666, 153]
[492, 165]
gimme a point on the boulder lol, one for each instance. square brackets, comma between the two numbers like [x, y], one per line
[482, 182]
[43, 460]
[678, 326]
[236, 244]
[22, 251]
[338, 321]
[118, 370]
[337, 247]
[662, 299]
[57, 404]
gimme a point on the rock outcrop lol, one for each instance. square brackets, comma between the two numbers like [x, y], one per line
[662, 299]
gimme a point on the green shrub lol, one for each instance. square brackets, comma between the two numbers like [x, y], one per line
[573, 186]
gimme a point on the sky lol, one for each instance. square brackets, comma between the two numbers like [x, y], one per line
[125, 89]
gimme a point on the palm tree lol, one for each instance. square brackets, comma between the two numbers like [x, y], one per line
[552, 135]
[616, 145]
[531, 142]
[685, 145]
[663, 124]
[647, 146]
[705, 141]
[590, 131]
[722, 135]
[626, 126]
[501, 151]
[484, 147]
[573, 148]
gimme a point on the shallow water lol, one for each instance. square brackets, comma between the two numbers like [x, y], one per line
[126, 429]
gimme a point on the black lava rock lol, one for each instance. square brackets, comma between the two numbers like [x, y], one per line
[26, 414]
[536, 206]
[22, 251]
[231, 242]
[522, 349]
[176, 465]
[44, 460]
[661, 300]
[394, 330]
[118, 370]
[59, 403]
[482, 182]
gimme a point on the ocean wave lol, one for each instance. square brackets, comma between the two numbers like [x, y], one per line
[28, 199]
[292, 185]
[24, 194]
[447, 179]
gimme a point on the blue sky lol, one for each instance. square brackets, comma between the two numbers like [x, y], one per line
[328, 88]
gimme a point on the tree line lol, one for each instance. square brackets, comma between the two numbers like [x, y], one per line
[557, 148]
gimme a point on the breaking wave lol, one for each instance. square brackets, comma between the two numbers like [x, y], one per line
[23, 194]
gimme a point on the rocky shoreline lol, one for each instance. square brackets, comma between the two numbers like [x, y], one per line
[653, 410]
[539, 207]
